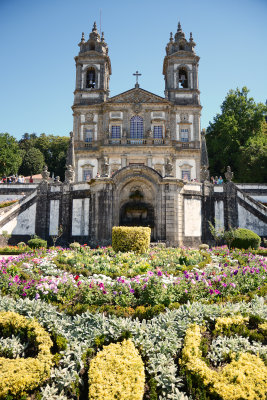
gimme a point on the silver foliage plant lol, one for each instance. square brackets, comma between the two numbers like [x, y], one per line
[159, 339]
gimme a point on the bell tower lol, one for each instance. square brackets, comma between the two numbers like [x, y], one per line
[180, 68]
[93, 70]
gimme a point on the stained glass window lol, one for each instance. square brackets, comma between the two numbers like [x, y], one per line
[158, 132]
[87, 174]
[115, 131]
[184, 135]
[136, 128]
[186, 175]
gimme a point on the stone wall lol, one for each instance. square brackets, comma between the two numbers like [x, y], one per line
[178, 212]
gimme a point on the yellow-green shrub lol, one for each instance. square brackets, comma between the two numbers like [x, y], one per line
[245, 378]
[21, 375]
[117, 372]
[131, 238]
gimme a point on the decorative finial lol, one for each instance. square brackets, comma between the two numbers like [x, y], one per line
[102, 37]
[179, 26]
[191, 37]
[82, 39]
[229, 174]
[171, 38]
[94, 27]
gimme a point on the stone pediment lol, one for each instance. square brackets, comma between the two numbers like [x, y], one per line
[137, 96]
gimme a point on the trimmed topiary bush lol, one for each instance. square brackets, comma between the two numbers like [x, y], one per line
[203, 247]
[131, 238]
[245, 238]
[37, 243]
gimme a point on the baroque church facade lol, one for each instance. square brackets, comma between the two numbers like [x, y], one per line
[135, 159]
[137, 127]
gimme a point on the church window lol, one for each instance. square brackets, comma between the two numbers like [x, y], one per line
[184, 135]
[115, 131]
[186, 175]
[136, 128]
[182, 78]
[158, 132]
[90, 78]
[87, 174]
[88, 136]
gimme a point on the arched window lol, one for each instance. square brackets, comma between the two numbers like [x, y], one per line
[183, 78]
[90, 78]
[136, 128]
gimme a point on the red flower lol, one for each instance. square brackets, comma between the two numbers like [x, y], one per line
[76, 277]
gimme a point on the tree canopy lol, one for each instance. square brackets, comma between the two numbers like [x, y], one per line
[33, 162]
[53, 148]
[238, 137]
[10, 155]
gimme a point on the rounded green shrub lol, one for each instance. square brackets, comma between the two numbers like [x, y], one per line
[245, 238]
[131, 238]
[75, 246]
[203, 246]
[21, 244]
[37, 243]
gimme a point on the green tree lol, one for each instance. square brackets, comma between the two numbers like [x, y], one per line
[54, 149]
[32, 163]
[10, 155]
[234, 133]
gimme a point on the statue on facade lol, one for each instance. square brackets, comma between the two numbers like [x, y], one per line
[105, 167]
[168, 133]
[149, 133]
[57, 179]
[204, 174]
[229, 174]
[45, 174]
[69, 174]
[168, 168]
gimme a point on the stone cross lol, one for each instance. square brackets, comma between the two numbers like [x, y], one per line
[136, 75]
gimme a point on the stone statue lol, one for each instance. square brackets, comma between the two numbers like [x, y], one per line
[69, 174]
[124, 133]
[204, 174]
[149, 133]
[105, 168]
[45, 174]
[229, 174]
[168, 168]
[57, 179]
[168, 133]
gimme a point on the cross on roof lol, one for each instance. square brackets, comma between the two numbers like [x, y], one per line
[136, 75]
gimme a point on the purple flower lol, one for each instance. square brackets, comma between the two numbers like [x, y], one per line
[159, 273]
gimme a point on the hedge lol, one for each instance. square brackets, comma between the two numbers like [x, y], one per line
[245, 238]
[131, 238]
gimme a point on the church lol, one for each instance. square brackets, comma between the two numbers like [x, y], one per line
[135, 159]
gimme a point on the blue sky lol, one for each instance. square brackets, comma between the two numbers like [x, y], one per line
[39, 41]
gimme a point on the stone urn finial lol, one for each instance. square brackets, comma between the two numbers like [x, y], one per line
[204, 174]
[69, 174]
[45, 174]
[229, 174]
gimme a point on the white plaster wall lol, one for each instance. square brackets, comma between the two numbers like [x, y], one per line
[80, 186]
[80, 217]
[183, 161]
[90, 161]
[218, 189]
[263, 199]
[54, 217]
[23, 224]
[192, 217]
[192, 187]
[7, 197]
[219, 214]
[54, 189]
[249, 221]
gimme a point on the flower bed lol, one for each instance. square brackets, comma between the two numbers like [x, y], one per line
[192, 288]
